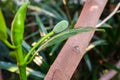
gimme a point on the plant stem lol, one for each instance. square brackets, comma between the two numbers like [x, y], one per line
[21, 65]
[9, 45]
[36, 45]
[22, 72]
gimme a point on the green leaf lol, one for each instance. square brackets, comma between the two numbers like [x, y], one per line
[105, 25]
[42, 28]
[61, 26]
[52, 53]
[41, 10]
[3, 31]
[88, 62]
[13, 68]
[17, 26]
[96, 43]
[64, 35]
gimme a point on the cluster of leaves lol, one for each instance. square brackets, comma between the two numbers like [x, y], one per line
[41, 18]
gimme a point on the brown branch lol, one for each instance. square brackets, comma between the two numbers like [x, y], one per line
[75, 47]
[109, 75]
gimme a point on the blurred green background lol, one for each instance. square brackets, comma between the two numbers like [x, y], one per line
[102, 53]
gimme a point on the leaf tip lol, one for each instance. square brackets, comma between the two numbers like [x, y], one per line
[61, 26]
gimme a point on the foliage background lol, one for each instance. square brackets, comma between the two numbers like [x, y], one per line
[41, 17]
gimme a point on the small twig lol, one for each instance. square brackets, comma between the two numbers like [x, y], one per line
[109, 75]
[66, 9]
[116, 10]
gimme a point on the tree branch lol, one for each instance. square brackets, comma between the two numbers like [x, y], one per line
[75, 47]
